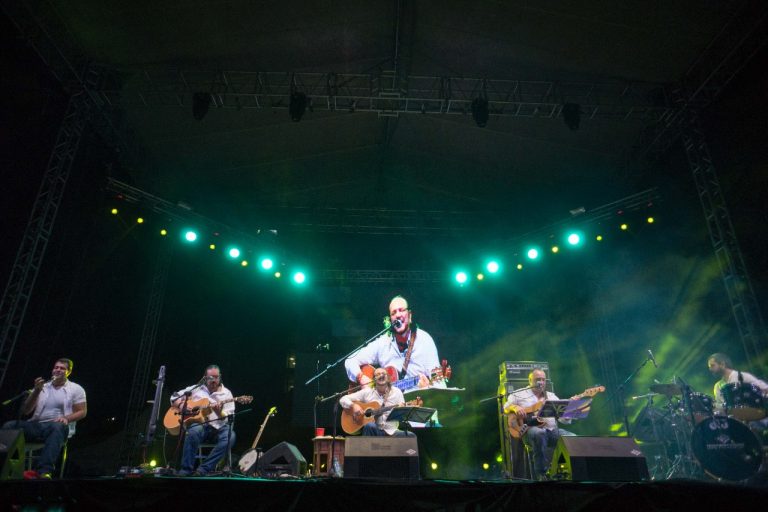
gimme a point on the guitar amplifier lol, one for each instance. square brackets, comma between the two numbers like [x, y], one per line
[381, 457]
[519, 370]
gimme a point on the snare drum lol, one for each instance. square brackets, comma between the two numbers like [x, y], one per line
[744, 401]
[726, 448]
[702, 406]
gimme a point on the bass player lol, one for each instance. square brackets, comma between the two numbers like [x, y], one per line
[542, 437]
[216, 428]
[386, 395]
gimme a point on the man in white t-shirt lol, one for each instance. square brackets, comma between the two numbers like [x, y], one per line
[56, 405]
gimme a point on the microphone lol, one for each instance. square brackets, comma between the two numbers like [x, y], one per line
[397, 323]
[653, 359]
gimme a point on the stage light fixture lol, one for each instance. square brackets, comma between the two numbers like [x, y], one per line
[297, 105]
[212, 247]
[434, 466]
[461, 277]
[114, 211]
[480, 277]
[532, 253]
[651, 220]
[244, 263]
[278, 274]
[519, 266]
[574, 239]
[555, 249]
[266, 263]
[572, 115]
[140, 220]
[599, 238]
[233, 252]
[624, 227]
[480, 111]
[486, 466]
[190, 236]
[493, 266]
[163, 232]
[299, 277]
[201, 102]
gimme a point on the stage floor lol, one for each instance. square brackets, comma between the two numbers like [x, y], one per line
[336, 494]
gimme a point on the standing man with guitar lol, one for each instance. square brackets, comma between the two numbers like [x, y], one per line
[383, 393]
[215, 427]
[543, 434]
[406, 350]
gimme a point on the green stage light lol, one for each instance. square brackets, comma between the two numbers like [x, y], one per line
[234, 252]
[555, 249]
[651, 220]
[599, 238]
[461, 277]
[140, 220]
[299, 277]
[244, 263]
[163, 232]
[212, 247]
[574, 239]
[190, 236]
[624, 227]
[532, 253]
[493, 266]
[266, 263]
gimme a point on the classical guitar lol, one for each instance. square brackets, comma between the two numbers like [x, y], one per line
[442, 372]
[248, 460]
[371, 411]
[517, 428]
[196, 412]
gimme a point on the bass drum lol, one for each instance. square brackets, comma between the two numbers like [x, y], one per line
[726, 448]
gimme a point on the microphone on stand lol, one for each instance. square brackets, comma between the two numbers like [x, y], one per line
[653, 359]
[397, 323]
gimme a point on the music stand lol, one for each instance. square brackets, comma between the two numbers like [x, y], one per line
[410, 414]
[565, 409]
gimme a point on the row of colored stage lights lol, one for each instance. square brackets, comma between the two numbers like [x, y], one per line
[266, 263]
[492, 268]
[535, 253]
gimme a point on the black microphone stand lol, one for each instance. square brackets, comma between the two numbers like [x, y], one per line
[620, 391]
[347, 356]
[20, 412]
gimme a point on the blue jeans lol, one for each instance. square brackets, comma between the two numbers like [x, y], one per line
[52, 435]
[542, 442]
[198, 434]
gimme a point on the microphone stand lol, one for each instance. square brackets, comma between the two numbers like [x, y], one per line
[347, 356]
[16, 398]
[319, 400]
[620, 391]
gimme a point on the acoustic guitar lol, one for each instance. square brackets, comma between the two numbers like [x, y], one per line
[371, 411]
[517, 428]
[442, 372]
[249, 459]
[196, 412]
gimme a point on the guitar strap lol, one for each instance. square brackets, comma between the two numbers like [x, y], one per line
[408, 354]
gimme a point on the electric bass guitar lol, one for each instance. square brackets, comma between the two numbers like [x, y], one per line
[371, 411]
[442, 372]
[196, 412]
[249, 459]
[517, 428]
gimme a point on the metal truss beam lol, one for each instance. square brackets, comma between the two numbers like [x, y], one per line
[724, 242]
[31, 251]
[137, 398]
[386, 94]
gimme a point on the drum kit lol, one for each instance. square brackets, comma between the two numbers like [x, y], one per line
[688, 437]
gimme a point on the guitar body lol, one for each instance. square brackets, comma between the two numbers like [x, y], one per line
[371, 410]
[197, 411]
[247, 462]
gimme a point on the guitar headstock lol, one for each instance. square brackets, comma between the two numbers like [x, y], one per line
[245, 399]
[443, 372]
[593, 391]
[272, 411]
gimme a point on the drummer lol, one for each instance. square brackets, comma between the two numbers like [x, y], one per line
[720, 365]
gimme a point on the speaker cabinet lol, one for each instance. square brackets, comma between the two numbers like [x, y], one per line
[11, 454]
[381, 457]
[603, 459]
[281, 460]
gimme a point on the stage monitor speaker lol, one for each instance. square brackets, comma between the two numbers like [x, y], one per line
[11, 454]
[602, 459]
[381, 457]
[281, 460]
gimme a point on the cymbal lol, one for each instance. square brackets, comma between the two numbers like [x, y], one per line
[666, 389]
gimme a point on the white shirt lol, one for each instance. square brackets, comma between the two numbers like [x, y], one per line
[200, 392]
[525, 398]
[383, 352]
[369, 394]
[74, 394]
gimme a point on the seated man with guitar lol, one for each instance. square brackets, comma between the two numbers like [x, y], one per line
[405, 349]
[206, 406]
[369, 408]
[540, 434]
